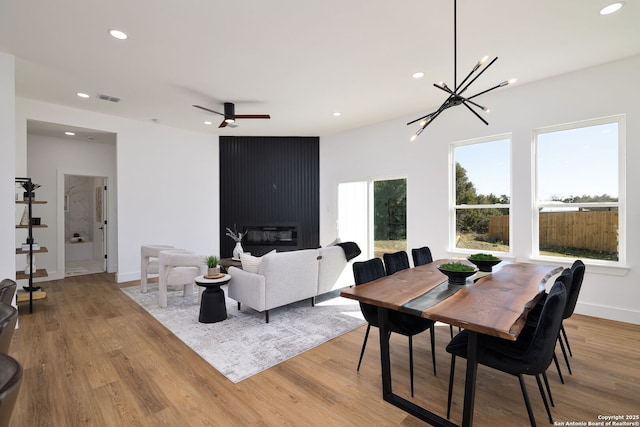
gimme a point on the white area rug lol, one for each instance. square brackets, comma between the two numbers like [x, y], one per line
[244, 345]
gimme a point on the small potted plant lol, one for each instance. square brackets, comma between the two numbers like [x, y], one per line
[457, 272]
[212, 265]
[29, 188]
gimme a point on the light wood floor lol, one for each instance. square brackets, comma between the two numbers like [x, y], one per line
[92, 357]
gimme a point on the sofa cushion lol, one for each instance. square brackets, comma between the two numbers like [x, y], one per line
[252, 263]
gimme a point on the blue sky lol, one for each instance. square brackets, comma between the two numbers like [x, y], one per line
[571, 162]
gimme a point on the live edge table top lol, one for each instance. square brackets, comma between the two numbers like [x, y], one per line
[495, 304]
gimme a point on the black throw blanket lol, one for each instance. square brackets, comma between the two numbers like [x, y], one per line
[351, 249]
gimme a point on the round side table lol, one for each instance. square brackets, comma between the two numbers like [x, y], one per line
[213, 307]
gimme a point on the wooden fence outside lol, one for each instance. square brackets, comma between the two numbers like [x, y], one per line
[594, 230]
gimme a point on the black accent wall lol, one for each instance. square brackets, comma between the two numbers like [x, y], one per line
[269, 182]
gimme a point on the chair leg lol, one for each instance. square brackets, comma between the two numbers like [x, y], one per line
[451, 330]
[266, 316]
[451, 373]
[566, 340]
[546, 383]
[555, 360]
[432, 333]
[411, 362]
[564, 353]
[544, 398]
[238, 305]
[364, 344]
[526, 400]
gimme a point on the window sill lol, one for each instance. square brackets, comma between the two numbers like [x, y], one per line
[593, 266]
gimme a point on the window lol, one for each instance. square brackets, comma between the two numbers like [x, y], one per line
[374, 215]
[481, 195]
[579, 197]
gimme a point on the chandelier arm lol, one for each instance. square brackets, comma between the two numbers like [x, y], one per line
[479, 74]
[489, 90]
[473, 70]
[434, 114]
[421, 118]
[446, 89]
[472, 103]
[476, 114]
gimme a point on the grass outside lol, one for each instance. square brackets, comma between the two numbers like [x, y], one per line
[479, 243]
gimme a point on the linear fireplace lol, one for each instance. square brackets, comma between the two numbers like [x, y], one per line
[271, 236]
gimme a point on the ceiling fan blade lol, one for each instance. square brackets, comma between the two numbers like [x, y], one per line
[252, 116]
[206, 109]
[223, 124]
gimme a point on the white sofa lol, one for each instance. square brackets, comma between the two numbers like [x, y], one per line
[287, 277]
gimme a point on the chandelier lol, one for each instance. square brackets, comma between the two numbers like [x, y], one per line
[456, 97]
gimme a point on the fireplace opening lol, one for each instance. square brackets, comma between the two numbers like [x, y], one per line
[271, 236]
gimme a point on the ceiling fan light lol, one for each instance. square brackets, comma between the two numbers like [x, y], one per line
[229, 120]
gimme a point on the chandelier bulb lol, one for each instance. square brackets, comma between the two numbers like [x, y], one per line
[512, 81]
[413, 137]
[483, 60]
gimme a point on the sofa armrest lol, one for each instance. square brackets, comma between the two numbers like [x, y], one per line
[247, 288]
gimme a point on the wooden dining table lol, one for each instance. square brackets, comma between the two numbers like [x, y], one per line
[495, 303]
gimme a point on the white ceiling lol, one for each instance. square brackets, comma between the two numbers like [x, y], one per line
[297, 60]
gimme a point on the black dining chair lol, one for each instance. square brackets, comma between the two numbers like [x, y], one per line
[7, 289]
[421, 256]
[400, 323]
[528, 355]
[10, 381]
[577, 271]
[395, 262]
[8, 319]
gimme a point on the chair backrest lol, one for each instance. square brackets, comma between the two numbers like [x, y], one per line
[421, 256]
[395, 262]
[10, 381]
[8, 319]
[7, 289]
[577, 271]
[365, 272]
[539, 355]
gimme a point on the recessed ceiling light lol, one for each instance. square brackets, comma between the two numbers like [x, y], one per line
[208, 122]
[120, 35]
[82, 95]
[612, 8]
[337, 114]
[70, 133]
[417, 75]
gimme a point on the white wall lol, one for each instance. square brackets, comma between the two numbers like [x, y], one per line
[7, 167]
[384, 150]
[166, 181]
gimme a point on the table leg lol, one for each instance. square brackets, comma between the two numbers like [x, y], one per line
[387, 392]
[470, 380]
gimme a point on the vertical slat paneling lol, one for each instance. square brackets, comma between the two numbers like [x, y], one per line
[270, 181]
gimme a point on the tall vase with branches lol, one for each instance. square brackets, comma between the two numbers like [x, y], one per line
[237, 237]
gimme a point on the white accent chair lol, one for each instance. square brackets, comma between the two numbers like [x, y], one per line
[179, 267]
[149, 263]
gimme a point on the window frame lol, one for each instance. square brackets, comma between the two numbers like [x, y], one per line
[536, 205]
[453, 206]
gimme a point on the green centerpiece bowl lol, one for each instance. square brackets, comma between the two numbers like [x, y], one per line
[484, 262]
[457, 272]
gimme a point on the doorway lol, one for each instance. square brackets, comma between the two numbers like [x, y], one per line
[374, 214]
[85, 233]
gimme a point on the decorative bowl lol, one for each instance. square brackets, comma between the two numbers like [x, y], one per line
[457, 277]
[484, 262]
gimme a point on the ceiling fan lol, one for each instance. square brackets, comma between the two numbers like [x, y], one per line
[230, 115]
